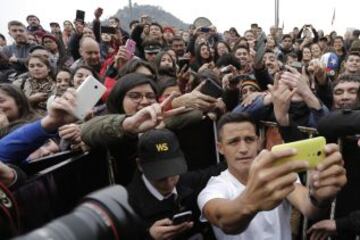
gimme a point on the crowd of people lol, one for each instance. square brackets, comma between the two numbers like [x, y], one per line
[157, 122]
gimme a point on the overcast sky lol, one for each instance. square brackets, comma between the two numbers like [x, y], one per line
[224, 13]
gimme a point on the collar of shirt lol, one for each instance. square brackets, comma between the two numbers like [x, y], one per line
[155, 192]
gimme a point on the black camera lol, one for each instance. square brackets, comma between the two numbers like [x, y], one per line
[104, 214]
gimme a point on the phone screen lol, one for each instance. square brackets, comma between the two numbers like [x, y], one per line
[182, 62]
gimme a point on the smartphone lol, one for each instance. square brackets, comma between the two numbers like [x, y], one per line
[107, 29]
[130, 45]
[87, 95]
[184, 61]
[80, 15]
[204, 29]
[297, 65]
[145, 19]
[182, 217]
[311, 150]
[260, 48]
[226, 69]
[212, 88]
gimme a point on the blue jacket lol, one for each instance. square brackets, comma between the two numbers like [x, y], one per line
[19, 144]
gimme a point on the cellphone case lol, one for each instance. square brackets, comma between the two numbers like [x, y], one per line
[87, 95]
[311, 150]
[130, 45]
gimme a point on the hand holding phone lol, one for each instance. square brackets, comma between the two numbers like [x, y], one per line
[182, 61]
[212, 88]
[311, 150]
[87, 95]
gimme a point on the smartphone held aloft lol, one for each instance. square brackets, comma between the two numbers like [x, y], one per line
[311, 150]
[87, 95]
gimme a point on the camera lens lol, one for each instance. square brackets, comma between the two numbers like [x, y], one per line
[96, 87]
[104, 214]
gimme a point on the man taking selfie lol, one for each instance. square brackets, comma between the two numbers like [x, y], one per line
[252, 199]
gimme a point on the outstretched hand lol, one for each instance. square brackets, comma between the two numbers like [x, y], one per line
[151, 116]
[61, 111]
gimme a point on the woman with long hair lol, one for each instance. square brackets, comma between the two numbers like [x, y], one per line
[40, 83]
[15, 109]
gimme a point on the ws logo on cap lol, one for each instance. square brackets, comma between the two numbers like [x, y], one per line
[162, 147]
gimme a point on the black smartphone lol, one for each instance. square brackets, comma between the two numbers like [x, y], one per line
[182, 217]
[260, 48]
[108, 30]
[80, 15]
[204, 29]
[212, 88]
[182, 62]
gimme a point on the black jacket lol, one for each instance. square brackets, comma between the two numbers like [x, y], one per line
[340, 124]
[150, 209]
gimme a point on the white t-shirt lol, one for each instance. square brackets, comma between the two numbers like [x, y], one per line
[271, 225]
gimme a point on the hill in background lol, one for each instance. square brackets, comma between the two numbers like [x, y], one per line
[157, 13]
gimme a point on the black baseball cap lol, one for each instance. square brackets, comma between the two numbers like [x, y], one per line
[152, 48]
[55, 24]
[160, 154]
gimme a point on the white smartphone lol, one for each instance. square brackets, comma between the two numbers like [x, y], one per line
[87, 95]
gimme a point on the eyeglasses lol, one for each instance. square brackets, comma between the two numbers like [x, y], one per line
[137, 96]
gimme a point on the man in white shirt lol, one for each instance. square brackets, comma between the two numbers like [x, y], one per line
[252, 198]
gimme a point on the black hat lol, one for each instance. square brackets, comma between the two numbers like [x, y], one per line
[152, 48]
[55, 24]
[160, 154]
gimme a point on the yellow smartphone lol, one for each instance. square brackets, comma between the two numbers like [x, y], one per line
[311, 150]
